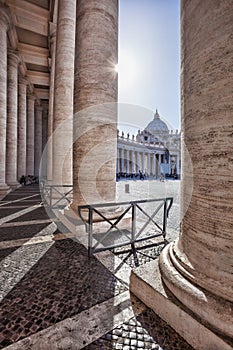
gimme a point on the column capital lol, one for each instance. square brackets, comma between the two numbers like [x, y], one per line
[31, 97]
[4, 16]
[23, 80]
[13, 57]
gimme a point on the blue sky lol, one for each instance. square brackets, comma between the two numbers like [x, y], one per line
[149, 59]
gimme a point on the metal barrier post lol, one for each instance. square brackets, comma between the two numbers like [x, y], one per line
[165, 218]
[90, 231]
[50, 194]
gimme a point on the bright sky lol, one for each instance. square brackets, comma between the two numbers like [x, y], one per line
[149, 59]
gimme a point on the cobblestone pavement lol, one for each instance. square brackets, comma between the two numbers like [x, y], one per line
[46, 279]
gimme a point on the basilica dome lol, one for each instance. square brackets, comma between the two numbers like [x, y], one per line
[157, 126]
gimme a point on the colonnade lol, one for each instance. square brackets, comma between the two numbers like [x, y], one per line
[152, 163]
[20, 111]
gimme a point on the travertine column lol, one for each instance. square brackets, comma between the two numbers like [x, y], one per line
[30, 134]
[95, 84]
[63, 93]
[148, 163]
[127, 161]
[4, 21]
[122, 160]
[138, 161]
[198, 268]
[38, 138]
[51, 101]
[22, 126]
[12, 115]
[143, 162]
[159, 163]
[154, 164]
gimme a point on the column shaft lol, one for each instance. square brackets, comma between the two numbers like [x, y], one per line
[63, 93]
[22, 127]
[4, 21]
[95, 129]
[198, 268]
[38, 139]
[30, 134]
[12, 115]
[51, 102]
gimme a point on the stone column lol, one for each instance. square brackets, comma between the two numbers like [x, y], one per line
[177, 164]
[22, 126]
[154, 164]
[121, 160]
[51, 101]
[133, 160]
[38, 138]
[63, 93]
[127, 161]
[143, 162]
[148, 163]
[159, 164]
[117, 161]
[138, 162]
[95, 129]
[12, 115]
[30, 134]
[198, 267]
[4, 22]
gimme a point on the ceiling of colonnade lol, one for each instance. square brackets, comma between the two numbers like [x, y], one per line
[29, 35]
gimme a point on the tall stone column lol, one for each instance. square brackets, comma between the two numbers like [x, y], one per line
[51, 101]
[22, 126]
[38, 138]
[148, 163]
[95, 129]
[154, 164]
[138, 162]
[63, 93]
[143, 162]
[198, 267]
[121, 160]
[30, 134]
[4, 22]
[12, 115]
[127, 161]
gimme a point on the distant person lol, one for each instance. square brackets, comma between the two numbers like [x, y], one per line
[22, 180]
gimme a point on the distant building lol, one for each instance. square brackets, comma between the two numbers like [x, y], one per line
[154, 151]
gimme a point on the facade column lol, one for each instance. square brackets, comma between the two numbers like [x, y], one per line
[138, 162]
[30, 133]
[117, 162]
[22, 126]
[52, 43]
[4, 22]
[38, 138]
[197, 268]
[177, 164]
[95, 129]
[143, 162]
[63, 93]
[133, 160]
[12, 115]
[127, 161]
[154, 164]
[122, 160]
[159, 164]
[148, 163]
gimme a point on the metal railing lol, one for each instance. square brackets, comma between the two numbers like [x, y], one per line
[97, 242]
[56, 196]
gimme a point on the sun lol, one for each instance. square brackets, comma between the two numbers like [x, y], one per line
[116, 68]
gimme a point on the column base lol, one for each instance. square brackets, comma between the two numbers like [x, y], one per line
[14, 185]
[213, 311]
[4, 190]
[146, 283]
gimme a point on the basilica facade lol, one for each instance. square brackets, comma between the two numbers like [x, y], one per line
[154, 151]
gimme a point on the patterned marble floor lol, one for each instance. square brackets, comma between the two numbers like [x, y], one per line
[54, 297]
